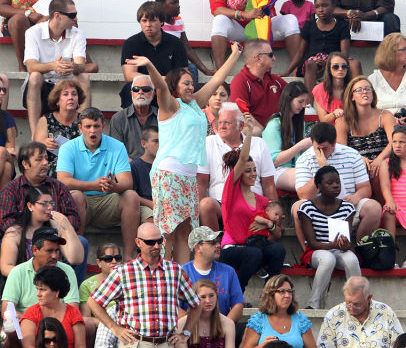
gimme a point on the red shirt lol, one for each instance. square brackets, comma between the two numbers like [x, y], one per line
[265, 232]
[231, 4]
[71, 317]
[262, 96]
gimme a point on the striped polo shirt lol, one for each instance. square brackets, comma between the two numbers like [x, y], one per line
[346, 160]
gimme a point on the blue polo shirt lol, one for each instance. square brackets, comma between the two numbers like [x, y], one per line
[84, 165]
[226, 280]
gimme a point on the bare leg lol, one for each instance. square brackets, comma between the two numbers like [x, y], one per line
[35, 82]
[84, 82]
[130, 219]
[389, 223]
[310, 77]
[370, 218]
[17, 25]
[287, 180]
[292, 43]
[298, 225]
[210, 212]
[80, 201]
[181, 251]
[219, 48]
[90, 328]
[4, 104]
[169, 240]
[355, 67]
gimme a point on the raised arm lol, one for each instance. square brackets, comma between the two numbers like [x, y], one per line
[245, 150]
[168, 105]
[203, 95]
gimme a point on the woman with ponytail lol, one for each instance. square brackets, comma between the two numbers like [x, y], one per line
[239, 205]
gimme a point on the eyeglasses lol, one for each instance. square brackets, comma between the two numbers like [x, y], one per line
[338, 66]
[109, 258]
[285, 291]
[3, 90]
[71, 15]
[145, 89]
[269, 54]
[152, 242]
[46, 203]
[360, 90]
[49, 340]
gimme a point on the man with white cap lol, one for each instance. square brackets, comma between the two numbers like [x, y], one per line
[205, 246]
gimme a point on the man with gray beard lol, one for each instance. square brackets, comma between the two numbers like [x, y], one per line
[128, 124]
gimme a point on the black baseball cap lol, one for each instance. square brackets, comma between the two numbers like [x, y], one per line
[47, 233]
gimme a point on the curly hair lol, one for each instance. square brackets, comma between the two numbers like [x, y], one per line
[56, 92]
[267, 304]
[53, 277]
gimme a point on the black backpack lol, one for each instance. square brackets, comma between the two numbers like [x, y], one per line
[378, 250]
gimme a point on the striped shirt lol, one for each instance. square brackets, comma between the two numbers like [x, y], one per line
[175, 29]
[319, 219]
[346, 160]
[147, 298]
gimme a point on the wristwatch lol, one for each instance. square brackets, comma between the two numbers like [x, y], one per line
[186, 333]
[27, 13]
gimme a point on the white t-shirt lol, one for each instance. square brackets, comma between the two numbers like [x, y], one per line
[39, 46]
[216, 148]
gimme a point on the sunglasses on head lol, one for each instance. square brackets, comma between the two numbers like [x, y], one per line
[338, 66]
[50, 340]
[71, 15]
[109, 258]
[145, 89]
[3, 89]
[152, 242]
[270, 54]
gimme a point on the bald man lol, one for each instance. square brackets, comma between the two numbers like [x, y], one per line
[151, 316]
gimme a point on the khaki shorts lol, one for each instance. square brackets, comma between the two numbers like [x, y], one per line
[144, 344]
[145, 213]
[356, 220]
[102, 210]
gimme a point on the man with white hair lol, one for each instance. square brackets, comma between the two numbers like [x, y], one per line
[211, 178]
[127, 125]
[359, 321]
[255, 84]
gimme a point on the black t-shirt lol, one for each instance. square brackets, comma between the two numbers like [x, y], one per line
[141, 182]
[324, 41]
[169, 54]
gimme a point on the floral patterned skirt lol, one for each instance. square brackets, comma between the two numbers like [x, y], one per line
[175, 198]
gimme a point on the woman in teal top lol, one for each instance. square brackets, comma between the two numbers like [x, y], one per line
[278, 318]
[182, 147]
[284, 134]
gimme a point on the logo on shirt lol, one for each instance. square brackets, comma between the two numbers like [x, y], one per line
[170, 57]
[274, 88]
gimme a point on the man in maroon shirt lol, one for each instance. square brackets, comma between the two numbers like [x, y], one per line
[255, 84]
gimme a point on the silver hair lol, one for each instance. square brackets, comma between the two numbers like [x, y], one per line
[145, 77]
[355, 284]
[228, 106]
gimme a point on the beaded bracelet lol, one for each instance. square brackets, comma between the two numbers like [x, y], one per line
[236, 15]
[348, 13]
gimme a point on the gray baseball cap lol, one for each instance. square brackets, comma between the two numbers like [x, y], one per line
[201, 234]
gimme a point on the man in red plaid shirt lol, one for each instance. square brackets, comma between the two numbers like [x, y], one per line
[147, 291]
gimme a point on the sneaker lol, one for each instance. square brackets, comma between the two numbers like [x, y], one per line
[262, 273]
[247, 305]
[309, 307]
[404, 264]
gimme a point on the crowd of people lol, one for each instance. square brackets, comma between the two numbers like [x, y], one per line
[192, 175]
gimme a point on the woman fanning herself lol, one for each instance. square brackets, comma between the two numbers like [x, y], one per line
[284, 134]
[213, 330]
[64, 102]
[182, 134]
[322, 254]
[365, 128]
[38, 211]
[52, 284]
[51, 334]
[328, 95]
[278, 318]
[220, 96]
[392, 175]
[239, 206]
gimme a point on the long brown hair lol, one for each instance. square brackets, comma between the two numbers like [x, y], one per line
[216, 330]
[291, 91]
[350, 110]
[328, 77]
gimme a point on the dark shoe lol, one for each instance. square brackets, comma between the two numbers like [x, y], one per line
[262, 273]
[247, 305]
[309, 307]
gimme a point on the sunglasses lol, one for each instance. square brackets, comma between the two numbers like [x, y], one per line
[109, 258]
[71, 15]
[338, 66]
[285, 291]
[3, 89]
[360, 90]
[152, 242]
[50, 340]
[270, 54]
[145, 89]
